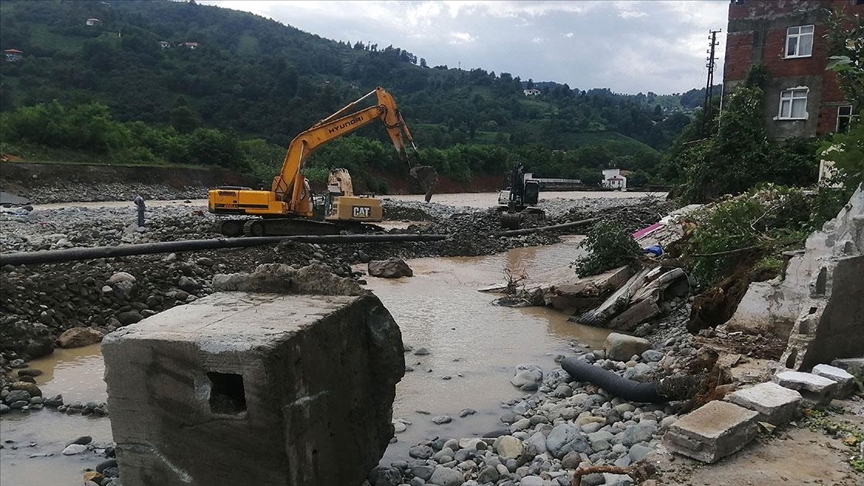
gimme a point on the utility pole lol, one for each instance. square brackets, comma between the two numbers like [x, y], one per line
[709, 91]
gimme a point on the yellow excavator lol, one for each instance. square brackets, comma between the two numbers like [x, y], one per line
[290, 208]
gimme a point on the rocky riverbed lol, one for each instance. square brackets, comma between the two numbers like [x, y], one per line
[555, 426]
[40, 302]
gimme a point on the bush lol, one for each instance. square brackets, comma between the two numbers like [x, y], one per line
[760, 222]
[609, 246]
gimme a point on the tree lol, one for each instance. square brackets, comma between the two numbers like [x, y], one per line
[183, 118]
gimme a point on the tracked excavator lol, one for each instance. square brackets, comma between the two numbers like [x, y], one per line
[517, 201]
[290, 207]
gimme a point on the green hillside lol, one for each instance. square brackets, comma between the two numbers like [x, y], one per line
[257, 78]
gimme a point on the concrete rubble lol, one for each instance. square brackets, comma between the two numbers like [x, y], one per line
[775, 404]
[817, 302]
[845, 381]
[265, 388]
[815, 390]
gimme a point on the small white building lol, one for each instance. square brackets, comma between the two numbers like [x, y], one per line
[531, 92]
[93, 22]
[164, 44]
[612, 179]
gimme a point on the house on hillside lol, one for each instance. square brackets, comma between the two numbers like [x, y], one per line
[13, 55]
[164, 44]
[613, 179]
[531, 92]
[93, 22]
[802, 99]
[189, 45]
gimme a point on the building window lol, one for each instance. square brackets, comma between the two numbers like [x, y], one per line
[844, 117]
[799, 41]
[793, 104]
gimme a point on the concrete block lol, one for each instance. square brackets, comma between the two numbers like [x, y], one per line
[816, 391]
[245, 388]
[775, 404]
[845, 381]
[712, 432]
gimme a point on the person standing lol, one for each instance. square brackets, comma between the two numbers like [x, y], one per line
[139, 201]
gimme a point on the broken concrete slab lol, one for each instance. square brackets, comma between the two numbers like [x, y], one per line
[712, 431]
[816, 391]
[845, 381]
[245, 388]
[775, 404]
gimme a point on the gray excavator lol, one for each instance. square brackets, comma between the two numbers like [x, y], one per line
[517, 200]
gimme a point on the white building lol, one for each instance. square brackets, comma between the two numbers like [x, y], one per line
[531, 92]
[612, 179]
[93, 22]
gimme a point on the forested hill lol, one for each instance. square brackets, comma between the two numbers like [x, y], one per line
[189, 66]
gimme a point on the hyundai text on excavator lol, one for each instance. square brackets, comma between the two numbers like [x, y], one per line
[290, 208]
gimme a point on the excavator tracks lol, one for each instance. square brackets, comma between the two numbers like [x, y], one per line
[276, 227]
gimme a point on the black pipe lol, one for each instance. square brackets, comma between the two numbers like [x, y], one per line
[528, 231]
[621, 387]
[74, 254]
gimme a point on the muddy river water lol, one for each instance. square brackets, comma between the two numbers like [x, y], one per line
[473, 342]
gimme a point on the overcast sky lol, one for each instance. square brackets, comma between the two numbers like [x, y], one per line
[628, 46]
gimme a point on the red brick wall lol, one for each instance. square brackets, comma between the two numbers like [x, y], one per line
[740, 45]
[738, 55]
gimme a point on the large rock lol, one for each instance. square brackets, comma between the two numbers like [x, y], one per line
[565, 438]
[527, 377]
[390, 268]
[78, 337]
[509, 447]
[297, 388]
[622, 347]
[444, 476]
[28, 387]
[712, 432]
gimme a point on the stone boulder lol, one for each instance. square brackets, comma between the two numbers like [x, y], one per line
[390, 268]
[78, 337]
[622, 347]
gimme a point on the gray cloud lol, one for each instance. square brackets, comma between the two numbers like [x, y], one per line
[628, 46]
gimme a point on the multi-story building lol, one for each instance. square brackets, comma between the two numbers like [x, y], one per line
[802, 99]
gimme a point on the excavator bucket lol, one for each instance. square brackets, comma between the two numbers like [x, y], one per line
[426, 177]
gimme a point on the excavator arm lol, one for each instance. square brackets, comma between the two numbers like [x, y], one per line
[289, 185]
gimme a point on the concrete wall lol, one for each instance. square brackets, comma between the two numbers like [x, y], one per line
[822, 295]
[242, 388]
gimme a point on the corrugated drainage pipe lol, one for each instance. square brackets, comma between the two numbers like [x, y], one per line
[632, 391]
